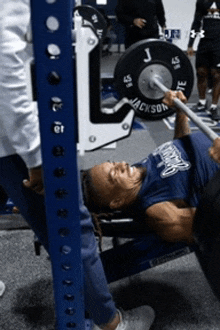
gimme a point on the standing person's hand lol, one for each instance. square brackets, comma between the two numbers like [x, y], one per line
[140, 22]
[190, 51]
[35, 181]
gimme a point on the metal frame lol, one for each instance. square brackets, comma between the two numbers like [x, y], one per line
[55, 81]
[107, 128]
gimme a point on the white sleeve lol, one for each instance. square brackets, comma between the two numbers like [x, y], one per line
[19, 125]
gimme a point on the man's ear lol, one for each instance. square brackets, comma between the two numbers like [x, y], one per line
[117, 203]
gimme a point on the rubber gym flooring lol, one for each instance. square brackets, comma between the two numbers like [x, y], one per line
[177, 290]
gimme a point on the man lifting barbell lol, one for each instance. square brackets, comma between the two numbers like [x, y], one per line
[165, 187]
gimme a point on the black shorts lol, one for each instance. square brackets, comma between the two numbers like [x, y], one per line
[208, 54]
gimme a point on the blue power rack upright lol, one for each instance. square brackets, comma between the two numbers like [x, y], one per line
[55, 81]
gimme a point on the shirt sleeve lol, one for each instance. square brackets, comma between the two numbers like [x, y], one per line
[122, 16]
[160, 13]
[19, 126]
[196, 24]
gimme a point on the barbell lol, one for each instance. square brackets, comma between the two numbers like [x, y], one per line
[147, 70]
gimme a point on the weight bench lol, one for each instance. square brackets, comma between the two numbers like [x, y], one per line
[135, 247]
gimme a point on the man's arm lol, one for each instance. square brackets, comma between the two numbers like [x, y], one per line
[172, 220]
[123, 13]
[182, 123]
[214, 150]
[195, 27]
[161, 13]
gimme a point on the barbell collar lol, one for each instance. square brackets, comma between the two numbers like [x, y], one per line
[198, 121]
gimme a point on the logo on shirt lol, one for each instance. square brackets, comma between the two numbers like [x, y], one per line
[194, 34]
[171, 159]
[213, 11]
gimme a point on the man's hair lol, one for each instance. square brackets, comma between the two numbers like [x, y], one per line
[98, 207]
[95, 204]
[94, 201]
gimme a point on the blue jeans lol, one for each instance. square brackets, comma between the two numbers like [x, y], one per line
[98, 300]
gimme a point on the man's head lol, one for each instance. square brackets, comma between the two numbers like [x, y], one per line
[112, 185]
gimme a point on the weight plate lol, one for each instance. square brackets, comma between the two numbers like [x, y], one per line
[95, 18]
[144, 59]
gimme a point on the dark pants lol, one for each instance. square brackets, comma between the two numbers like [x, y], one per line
[31, 205]
[207, 233]
[134, 34]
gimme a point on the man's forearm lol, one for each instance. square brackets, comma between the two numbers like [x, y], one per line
[181, 125]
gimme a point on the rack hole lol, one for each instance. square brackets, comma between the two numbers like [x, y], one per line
[52, 23]
[56, 103]
[66, 267]
[62, 213]
[67, 282]
[54, 78]
[53, 51]
[58, 151]
[64, 232]
[65, 249]
[71, 325]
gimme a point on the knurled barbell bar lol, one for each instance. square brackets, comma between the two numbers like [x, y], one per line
[198, 121]
[147, 70]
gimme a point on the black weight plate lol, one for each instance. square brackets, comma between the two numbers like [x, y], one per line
[134, 64]
[95, 18]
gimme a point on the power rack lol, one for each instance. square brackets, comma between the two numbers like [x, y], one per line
[56, 95]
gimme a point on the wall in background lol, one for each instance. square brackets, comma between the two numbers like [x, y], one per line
[179, 15]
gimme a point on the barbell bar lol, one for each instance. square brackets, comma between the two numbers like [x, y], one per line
[198, 121]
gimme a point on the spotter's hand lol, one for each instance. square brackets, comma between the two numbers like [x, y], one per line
[35, 181]
[171, 95]
[214, 151]
[139, 22]
[190, 51]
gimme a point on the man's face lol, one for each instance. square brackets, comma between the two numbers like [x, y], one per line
[113, 180]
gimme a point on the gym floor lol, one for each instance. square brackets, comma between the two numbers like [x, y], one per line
[177, 290]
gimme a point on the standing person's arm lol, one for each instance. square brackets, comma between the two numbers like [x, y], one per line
[122, 13]
[195, 27]
[161, 14]
[19, 115]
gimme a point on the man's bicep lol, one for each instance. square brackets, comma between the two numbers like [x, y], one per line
[171, 220]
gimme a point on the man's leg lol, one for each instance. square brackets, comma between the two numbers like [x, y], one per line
[202, 81]
[202, 73]
[207, 232]
[215, 113]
